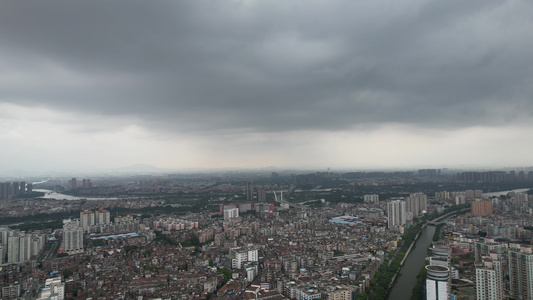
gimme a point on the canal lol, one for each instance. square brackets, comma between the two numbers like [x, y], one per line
[406, 281]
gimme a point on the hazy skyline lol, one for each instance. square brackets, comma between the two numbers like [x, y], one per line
[91, 85]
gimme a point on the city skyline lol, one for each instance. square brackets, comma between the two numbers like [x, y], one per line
[250, 84]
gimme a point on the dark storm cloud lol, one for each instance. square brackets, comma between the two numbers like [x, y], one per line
[272, 65]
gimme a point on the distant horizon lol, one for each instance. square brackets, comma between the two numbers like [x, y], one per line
[150, 169]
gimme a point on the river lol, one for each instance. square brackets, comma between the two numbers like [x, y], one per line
[405, 283]
[498, 194]
[48, 194]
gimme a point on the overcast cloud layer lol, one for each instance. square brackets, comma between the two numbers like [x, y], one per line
[179, 84]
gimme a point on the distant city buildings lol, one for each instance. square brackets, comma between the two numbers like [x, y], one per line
[75, 184]
[429, 172]
[15, 189]
[260, 207]
[495, 176]
[372, 198]
[271, 252]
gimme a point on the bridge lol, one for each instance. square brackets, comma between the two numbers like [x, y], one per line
[290, 204]
[437, 221]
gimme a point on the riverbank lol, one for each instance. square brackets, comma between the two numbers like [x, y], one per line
[404, 258]
[412, 245]
[405, 279]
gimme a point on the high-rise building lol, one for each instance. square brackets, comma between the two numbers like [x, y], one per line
[371, 198]
[231, 213]
[443, 195]
[37, 243]
[416, 203]
[30, 188]
[520, 263]
[102, 216]
[3, 253]
[72, 237]
[489, 279]
[18, 248]
[481, 208]
[5, 232]
[73, 183]
[6, 190]
[396, 213]
[15, 188]
[22, 187]
[249, 191]
[261, 195]
[87, 219]
[437, 282]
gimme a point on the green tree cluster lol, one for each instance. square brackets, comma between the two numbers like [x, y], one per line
[227, 274]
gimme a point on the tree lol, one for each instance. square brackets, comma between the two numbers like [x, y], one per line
[227, 274]
[67, 273]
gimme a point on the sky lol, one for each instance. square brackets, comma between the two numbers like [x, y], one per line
[362, 84]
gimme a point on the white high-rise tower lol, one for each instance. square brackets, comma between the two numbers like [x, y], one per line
[396, 213]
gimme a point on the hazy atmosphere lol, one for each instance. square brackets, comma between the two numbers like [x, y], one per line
[91, 85]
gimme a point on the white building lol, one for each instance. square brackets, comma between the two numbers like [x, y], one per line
[489, 280]
[87, 220]
[54, 289]
[231, 213]
[239, 256]
[251, 272]
[396, 213]
[437, 282]
[102, 216]
[72, 237]
[18, 248]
